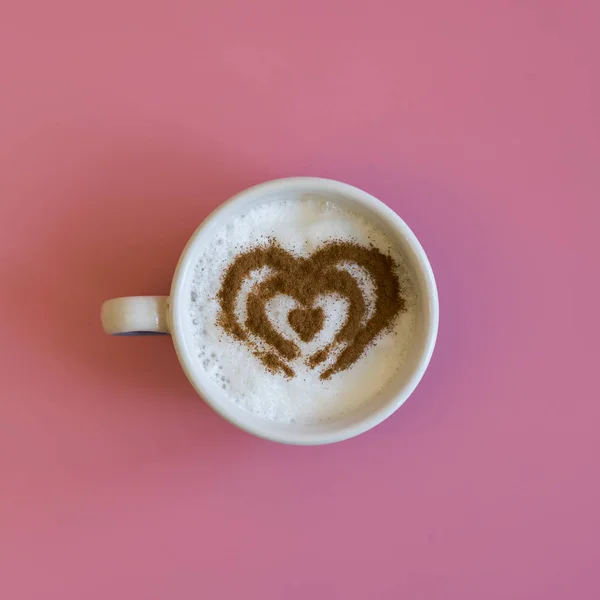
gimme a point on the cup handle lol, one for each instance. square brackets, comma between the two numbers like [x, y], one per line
[135, 315]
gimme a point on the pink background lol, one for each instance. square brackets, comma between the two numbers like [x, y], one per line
[123, 123]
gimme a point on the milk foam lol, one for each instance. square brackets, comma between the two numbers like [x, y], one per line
[299, 226]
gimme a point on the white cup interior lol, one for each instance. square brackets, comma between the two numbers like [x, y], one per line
[424, 335]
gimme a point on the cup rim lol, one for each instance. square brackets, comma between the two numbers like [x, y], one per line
[186, 262]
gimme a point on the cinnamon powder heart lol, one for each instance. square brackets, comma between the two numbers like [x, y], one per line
[305, 279]
[307, 322]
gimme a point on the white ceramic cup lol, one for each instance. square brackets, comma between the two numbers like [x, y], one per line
[166, 314]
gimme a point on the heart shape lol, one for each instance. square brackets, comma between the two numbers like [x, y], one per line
[307, 322]
[304, 279]
[279, 308]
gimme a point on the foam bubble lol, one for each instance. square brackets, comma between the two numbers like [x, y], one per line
[299, 226]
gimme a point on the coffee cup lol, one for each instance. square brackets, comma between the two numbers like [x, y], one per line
[148, 315]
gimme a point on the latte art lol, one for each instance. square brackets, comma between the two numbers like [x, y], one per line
[306, 279]
[301, 311]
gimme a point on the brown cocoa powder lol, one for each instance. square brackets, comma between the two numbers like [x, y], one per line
[307, 322]
[304, 279]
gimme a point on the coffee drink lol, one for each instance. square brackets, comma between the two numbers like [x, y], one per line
[301, 310]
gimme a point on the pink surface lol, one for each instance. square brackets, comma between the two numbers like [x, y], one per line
[122, 124]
